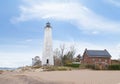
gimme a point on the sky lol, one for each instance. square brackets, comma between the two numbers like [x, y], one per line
[91, 24]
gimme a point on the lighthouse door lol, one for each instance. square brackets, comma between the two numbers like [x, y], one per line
[47, 62]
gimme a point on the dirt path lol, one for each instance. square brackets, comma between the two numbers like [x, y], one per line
[19, 79]
[22, 78]
[62, 77]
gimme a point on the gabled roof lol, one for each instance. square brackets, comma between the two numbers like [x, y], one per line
[97, 53]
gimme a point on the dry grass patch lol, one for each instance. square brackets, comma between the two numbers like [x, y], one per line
[1, 71]
[56, 68]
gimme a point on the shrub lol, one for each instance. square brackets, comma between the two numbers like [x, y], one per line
[114, 67]
[90, 66]
[82, 66]
[55, 68]
[73, 65]
[63, 68]
[97, 67]
[36, 67]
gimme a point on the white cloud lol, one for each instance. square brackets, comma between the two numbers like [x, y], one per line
[114, 2]
[19, 58]
[13, 46]
[91, 32]
[73, 12]
[80, 46]
[29, 40]
[13, 59]
[20, 53]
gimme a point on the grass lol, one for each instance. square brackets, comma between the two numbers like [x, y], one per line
[56, 68]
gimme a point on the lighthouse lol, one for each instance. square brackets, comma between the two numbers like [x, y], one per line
[47, 58]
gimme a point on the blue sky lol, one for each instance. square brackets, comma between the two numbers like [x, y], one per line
[92, 24]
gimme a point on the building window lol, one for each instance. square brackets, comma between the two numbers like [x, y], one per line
[93, 59]
[105, 60]
[99, 60]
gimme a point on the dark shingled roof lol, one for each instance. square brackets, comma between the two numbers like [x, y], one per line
[98, 53]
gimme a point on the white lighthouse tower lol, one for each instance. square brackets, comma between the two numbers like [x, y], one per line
[47, 58]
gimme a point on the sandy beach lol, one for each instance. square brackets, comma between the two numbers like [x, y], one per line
[61, 77]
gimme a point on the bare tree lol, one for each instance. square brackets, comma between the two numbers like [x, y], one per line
[68, 57]
[62, 49]
[57, 52]
[57, 59]
[62, 58]
[72, 52]
[119, 55]
[78, 58]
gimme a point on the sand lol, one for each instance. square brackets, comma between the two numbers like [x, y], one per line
[61, 77]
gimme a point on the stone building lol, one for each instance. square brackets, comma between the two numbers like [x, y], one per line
[96, 57]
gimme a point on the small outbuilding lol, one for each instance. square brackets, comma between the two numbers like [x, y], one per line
[36, 61]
